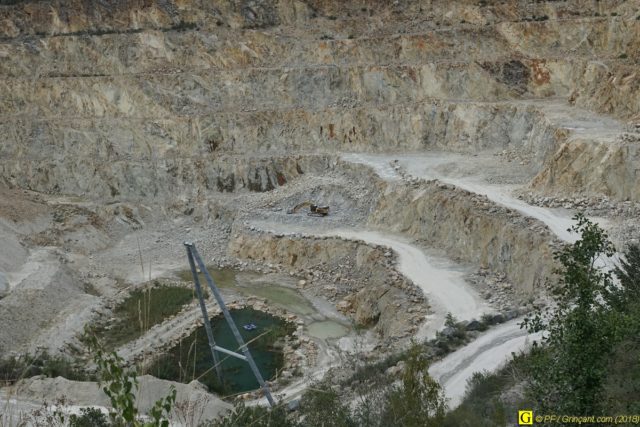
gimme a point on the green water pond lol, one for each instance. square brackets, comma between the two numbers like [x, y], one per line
[191, 359]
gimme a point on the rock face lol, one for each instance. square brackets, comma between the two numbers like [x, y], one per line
[469, 228]
[358, 277]
[144, 99]
[156, 179]
[605, 166]
[217, 113]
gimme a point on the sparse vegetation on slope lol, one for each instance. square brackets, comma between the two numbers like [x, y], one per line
[13, 369]
[141, 310]
[560, 374]
[588, 365]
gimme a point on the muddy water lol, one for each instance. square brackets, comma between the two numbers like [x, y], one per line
[327, 329]
[251, 284]
[282, 297]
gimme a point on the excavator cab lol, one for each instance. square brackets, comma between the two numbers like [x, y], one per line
[314, 210]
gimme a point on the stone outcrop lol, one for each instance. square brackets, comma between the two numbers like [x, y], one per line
[471, 229]
[127, 99]
[593, 167]
[359, 274]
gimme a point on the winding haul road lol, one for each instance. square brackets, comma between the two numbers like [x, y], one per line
[447, 292]
[446, 289]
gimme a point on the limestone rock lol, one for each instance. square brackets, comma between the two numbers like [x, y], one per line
[4, 285]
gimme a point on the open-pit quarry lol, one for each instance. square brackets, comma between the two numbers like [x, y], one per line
[452, 141]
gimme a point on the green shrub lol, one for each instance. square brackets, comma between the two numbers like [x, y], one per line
[120, 385]
[255, 416]
[90, 417]
[15, 368]
[321, 406]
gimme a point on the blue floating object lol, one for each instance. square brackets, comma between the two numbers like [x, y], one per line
[250, 327]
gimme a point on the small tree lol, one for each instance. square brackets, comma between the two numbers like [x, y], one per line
[120, 386]
[419, 401]
[255, 416]
[628, 273]
[90, 417]
[567, 373]
[450, 321]
[321, 406]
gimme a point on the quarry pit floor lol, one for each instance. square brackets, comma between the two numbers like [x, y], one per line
[141, 246]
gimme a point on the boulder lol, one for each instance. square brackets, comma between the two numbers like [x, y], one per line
[474, 325]
[497, 318]
[293, 405]
[396, 369]
[344, 306]
[511, 314]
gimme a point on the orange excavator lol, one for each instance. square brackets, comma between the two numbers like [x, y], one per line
[314, 210]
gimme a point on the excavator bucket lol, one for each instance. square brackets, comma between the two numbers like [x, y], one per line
[314, 210]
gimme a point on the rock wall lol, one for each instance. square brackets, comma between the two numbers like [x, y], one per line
[593, 167]
[602, 37]
[473, 127]
[470, 229]
[115, 98]
[611, 88]
[314, 87]
[150, 51]
[358, 277]
[399, 126]
[155, 178]
[38, 18]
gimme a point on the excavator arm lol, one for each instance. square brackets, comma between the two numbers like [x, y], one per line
[299, 206]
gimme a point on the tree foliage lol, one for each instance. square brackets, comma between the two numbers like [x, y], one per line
[256, 416]
[89, 417]
[628, 273]
[581, 327]
[419, 401]
[120, 386]
[321, 406]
